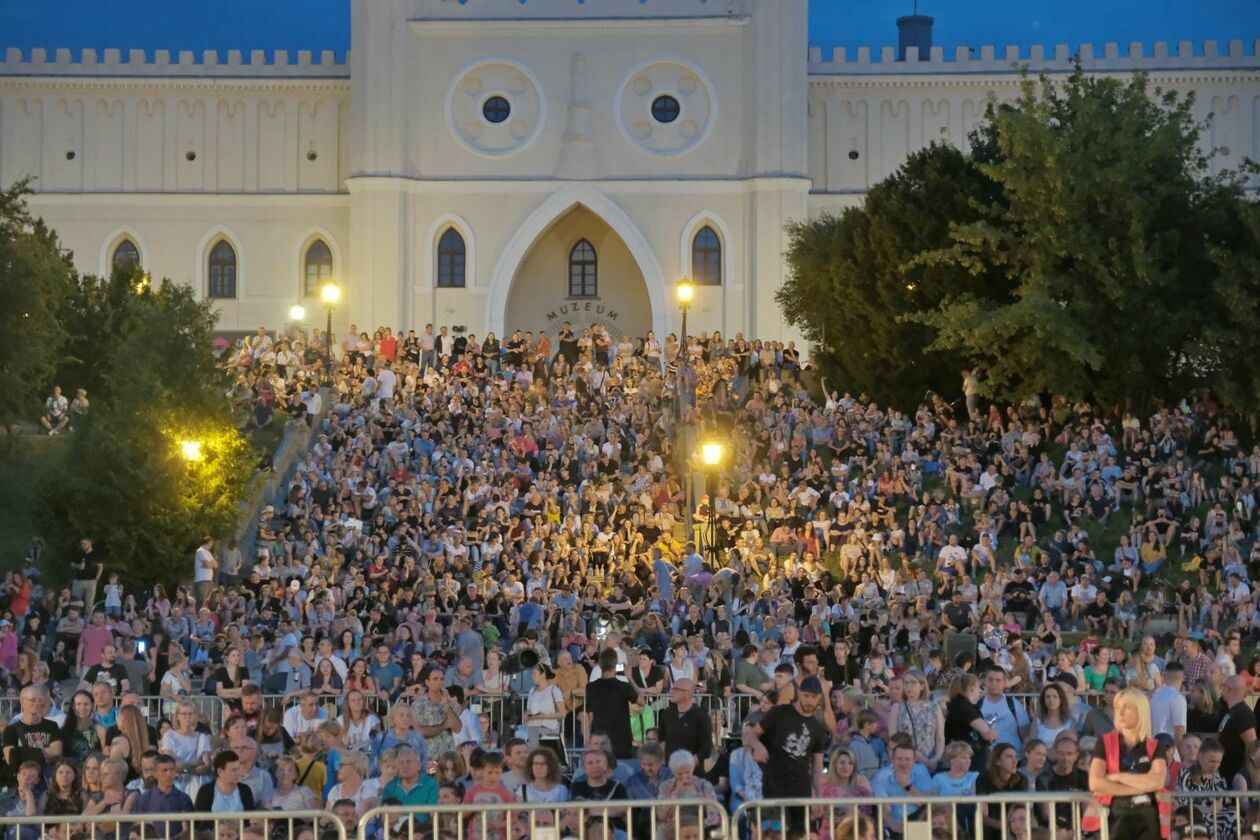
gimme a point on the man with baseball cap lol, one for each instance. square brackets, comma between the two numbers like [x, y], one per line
[788, 742]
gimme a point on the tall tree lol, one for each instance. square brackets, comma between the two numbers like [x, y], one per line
[852, 281]
[1101, 240]
[125, 480]
[36, 275]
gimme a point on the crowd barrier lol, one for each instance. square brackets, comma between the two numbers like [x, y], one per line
[1228, 815]
[917, 817]
[685, 819]
[254, 825]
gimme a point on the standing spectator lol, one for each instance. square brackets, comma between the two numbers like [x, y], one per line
[1009, 718]
[1127, 768]
[92, 642]
[684, 725]
[1168, 705]
[608, 701]
[204, 568]
[88, 569]
[1238, 726]
[788, 742]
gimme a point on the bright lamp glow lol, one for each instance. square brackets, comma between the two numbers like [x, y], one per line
[685, 291]
[711, 453]
[190, 449]
[330, 293]
[297, 312]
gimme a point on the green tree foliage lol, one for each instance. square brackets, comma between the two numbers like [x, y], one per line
[1102, 238]
[125, 481]
[1084, 248]
[852, 281]
[1227, 355]
[35, 275]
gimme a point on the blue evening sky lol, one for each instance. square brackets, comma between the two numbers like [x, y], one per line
[324, 24]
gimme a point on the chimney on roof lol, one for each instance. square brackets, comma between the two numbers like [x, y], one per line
[914, 31]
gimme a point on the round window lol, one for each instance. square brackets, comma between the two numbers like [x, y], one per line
[665, 109]
[496, 109]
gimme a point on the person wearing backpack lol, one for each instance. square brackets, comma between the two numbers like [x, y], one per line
[1128, 775]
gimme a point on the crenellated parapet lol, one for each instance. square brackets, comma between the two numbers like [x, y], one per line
[1160, 56]
[282, 64]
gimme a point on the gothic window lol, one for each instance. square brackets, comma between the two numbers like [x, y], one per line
[452, 256]
[583, 270]
[706, 258]
[317, 268]
[222, 274]
[126, 253]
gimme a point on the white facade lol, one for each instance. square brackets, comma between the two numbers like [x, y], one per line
[627, 127]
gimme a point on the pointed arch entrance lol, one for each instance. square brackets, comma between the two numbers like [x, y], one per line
[531, 287]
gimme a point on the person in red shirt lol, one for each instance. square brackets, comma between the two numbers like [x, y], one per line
[488, 789]
[389, 345]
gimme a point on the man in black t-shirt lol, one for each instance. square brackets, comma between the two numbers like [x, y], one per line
[1238, 726]
[1064, 774]
[107, 671]
[87, 574]
[600, 786]
[788, 742]
[32, 737]
[608, 701]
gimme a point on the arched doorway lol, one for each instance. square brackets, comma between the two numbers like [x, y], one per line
[578, 257]
[579, 270]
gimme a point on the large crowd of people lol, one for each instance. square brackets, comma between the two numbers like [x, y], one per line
[493, 579]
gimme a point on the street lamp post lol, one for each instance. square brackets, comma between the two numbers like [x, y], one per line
[686, 292]
[330, 294]
[712, 457]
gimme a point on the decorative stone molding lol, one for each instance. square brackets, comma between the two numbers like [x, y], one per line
[158, 63]
[1061, 58]
[680, 81]
[487, 81]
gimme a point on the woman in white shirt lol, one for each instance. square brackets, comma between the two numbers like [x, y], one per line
[190, 748]
[544, 708]
[288, 795]
[358, 721]
[353, 783]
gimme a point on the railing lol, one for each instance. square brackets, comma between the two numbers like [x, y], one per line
[254, 825]
[1008, 817]
[688, 819]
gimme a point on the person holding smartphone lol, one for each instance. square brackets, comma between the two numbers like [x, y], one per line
[608, 702]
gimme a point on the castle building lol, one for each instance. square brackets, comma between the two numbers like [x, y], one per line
[504, 165]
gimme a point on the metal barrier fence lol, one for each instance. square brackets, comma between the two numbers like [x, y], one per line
[254, 825]
[686, 819]
[1006, 817]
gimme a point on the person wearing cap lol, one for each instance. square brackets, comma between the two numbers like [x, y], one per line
[788, 742]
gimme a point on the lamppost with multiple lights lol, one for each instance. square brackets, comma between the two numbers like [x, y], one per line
[330, 294]
[712, 458]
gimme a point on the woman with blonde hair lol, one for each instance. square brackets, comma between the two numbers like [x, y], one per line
[922, 718]
[1128, 768]
[353, 783]
[131, 723]
[288, 795]
[189, 748]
